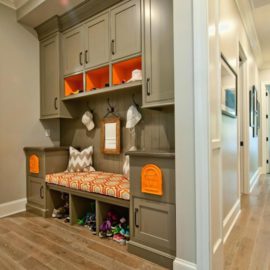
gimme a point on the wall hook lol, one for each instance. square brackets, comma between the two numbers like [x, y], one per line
[89, 108]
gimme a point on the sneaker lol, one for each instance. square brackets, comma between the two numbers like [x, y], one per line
[119, 238]
[102, 234]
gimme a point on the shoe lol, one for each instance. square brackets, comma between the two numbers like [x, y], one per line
[119, 238]
[102, 234]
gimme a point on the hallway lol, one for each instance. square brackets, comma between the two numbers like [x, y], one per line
[248, 246]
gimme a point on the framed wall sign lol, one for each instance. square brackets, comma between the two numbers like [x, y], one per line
[110, 135]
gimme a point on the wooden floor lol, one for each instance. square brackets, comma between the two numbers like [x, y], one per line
[31, 242]
[248, 246]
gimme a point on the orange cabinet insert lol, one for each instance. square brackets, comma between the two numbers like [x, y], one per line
[73, 84]
[122, 71]
[97, 78]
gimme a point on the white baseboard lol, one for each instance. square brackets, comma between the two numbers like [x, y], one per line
[11, 208]
[230, 220]
[254, 179]
[180, 264]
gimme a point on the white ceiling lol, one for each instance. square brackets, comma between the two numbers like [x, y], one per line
[261, 15]
[35, 12]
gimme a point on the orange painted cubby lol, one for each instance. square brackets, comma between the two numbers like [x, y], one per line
[73, 84]
[122, 71]
[97, 78]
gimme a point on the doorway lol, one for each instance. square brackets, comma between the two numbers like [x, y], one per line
[267, 128]
[243, 124]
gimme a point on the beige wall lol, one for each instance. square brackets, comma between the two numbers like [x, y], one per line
[226, 32]
[19, 104]
[230, 40]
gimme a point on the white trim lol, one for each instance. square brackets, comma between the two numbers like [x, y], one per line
[13, 207]
[254, 179]
[230, 220]
[180, 264]
[8, 3]
[202, 136]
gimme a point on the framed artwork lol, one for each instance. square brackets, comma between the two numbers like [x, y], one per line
[228, 89]
[254, 111]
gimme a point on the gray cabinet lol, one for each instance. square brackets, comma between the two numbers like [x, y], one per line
[152, 215]
[73, 51]
[97, 41]
[158, 89]
[125, 29]
[49, 77]
[154, 224]
[39, 162]
[36, 191]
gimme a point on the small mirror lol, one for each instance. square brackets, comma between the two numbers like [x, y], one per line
[228, 89]
[110, 135]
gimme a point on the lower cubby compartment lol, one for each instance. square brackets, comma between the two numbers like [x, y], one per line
[58, 205]
[113, 222]
[83, 212]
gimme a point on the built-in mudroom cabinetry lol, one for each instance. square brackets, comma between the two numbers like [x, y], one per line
[152, 180]
[39, 162]
[88, 57]
[158, 53]
[125, 25]
[50, 76]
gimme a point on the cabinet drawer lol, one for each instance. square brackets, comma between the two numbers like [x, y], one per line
[35, 164]
[167, 167]
[36, 190]
[154, 224]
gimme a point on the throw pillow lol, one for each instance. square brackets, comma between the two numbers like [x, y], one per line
[80, 161]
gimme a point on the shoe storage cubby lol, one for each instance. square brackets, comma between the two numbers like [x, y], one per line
[79, 207]
[103, 208]
[97, 78]
[122, 71]
[56, 199]
[73, 84]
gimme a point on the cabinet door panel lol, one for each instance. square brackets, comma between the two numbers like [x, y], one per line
[97, 41]
[49, 76]
[154, 224]
[73, 51]
[36, 191]
[126, 29]
[159, 71]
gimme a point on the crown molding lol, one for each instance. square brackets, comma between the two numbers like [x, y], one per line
[246, 14]
[8, 3]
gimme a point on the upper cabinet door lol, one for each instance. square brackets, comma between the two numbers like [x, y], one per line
[158, 50]
[73, 51]
[126, 29]
[97, 41]
[49, 77]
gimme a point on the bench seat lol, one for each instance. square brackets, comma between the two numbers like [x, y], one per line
[109, 184]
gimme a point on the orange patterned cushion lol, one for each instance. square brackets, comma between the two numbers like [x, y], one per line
[110, 184]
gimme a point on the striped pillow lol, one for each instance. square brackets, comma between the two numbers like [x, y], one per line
[80, 161]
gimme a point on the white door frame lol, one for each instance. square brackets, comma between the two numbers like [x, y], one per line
[192, 147]
[243, 123]
[265, 132]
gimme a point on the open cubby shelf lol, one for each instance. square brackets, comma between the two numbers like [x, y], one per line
[97, 81]
[73, 84]
[81, 202]
[107, 90]
[97, 78]
[122, 71]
